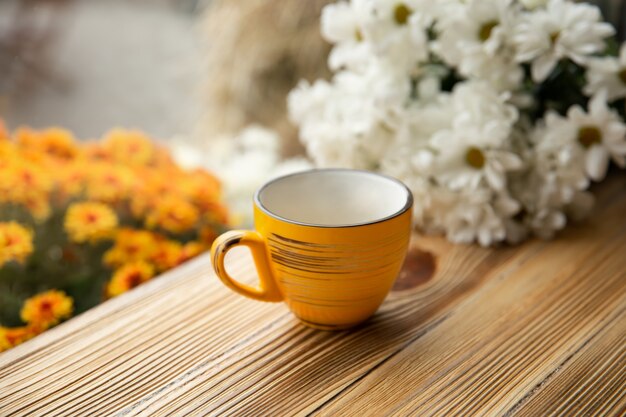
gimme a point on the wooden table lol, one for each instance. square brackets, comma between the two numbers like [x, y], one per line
[529, 330]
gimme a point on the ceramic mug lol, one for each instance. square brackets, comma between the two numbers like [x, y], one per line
[328, 242]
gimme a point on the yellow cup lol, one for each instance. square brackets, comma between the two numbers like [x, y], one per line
[328, 242]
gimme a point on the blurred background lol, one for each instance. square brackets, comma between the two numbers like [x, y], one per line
[89, 65]
[190, 69]
[185, 67]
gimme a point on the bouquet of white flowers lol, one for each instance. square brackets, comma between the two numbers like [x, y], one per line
[496, 113]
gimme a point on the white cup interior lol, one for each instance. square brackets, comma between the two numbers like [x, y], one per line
[334, 197]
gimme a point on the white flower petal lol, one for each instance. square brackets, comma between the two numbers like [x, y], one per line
[542, 67]
[510, 161]
[495, 178]
[597, 162]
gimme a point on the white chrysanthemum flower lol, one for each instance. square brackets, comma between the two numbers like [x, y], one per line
[351, 121]
[477, 42]
[546, 221]
[540, 193]
[342, 23]
[607, 75]
[480, 111]
[558, 165]
[533, 4]
[478, 215]
[473, 152]
[398, 34]
[426, 118]
[482, 25]
[597, 135]
[469, 162]
[500, 71]
[479, 171]
[560, 30]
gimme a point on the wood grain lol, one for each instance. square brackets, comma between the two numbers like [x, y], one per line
[538, 329]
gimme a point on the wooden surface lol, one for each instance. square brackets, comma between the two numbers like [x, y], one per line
[534, 330]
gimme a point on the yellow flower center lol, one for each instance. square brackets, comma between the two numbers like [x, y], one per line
[91, 218]
[475, 158]
[622, 75]
[134, 279]
[485, 30]
[89, 221]
[401, 13]
[47, 309]
[358, 35]
[554, 36]
[589, 136]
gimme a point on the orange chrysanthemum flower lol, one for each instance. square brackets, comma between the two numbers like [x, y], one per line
[38, 206]
[94, 151]
[191, 250]
[27, 179]
[202, 188]
[142, 203]
[216, 213]
[89, 221]
[8, 153]
[47, 309]
[131, 245]
[162, 159]
[173, 214]
[129, 276]
[16, 242]
[55, 142]
[129, 146]
[109, 183]
[167, 254]
[13, 336]
[71, 179]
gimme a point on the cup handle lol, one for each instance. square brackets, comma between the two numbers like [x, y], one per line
[268, 290]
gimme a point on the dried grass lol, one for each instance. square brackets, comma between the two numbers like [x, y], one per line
[257, 50]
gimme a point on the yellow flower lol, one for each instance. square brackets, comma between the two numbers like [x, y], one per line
[16, 242]
[94, 151]
[38, 206]
[55, 142]
[89, 222]
[8, 153]
[142, 203]
[28, 179]
[191, 250]
[161, 182]
[173, 214]
[128, 146]
[202, 188]
[109, 183]
[13, 336]
[131, 245]
[151, 186]
[129, 276]
[47, 309]
[162, 159]
[71, 179]
[167, 254]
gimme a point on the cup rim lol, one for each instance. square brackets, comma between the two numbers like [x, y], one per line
[407, 205]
